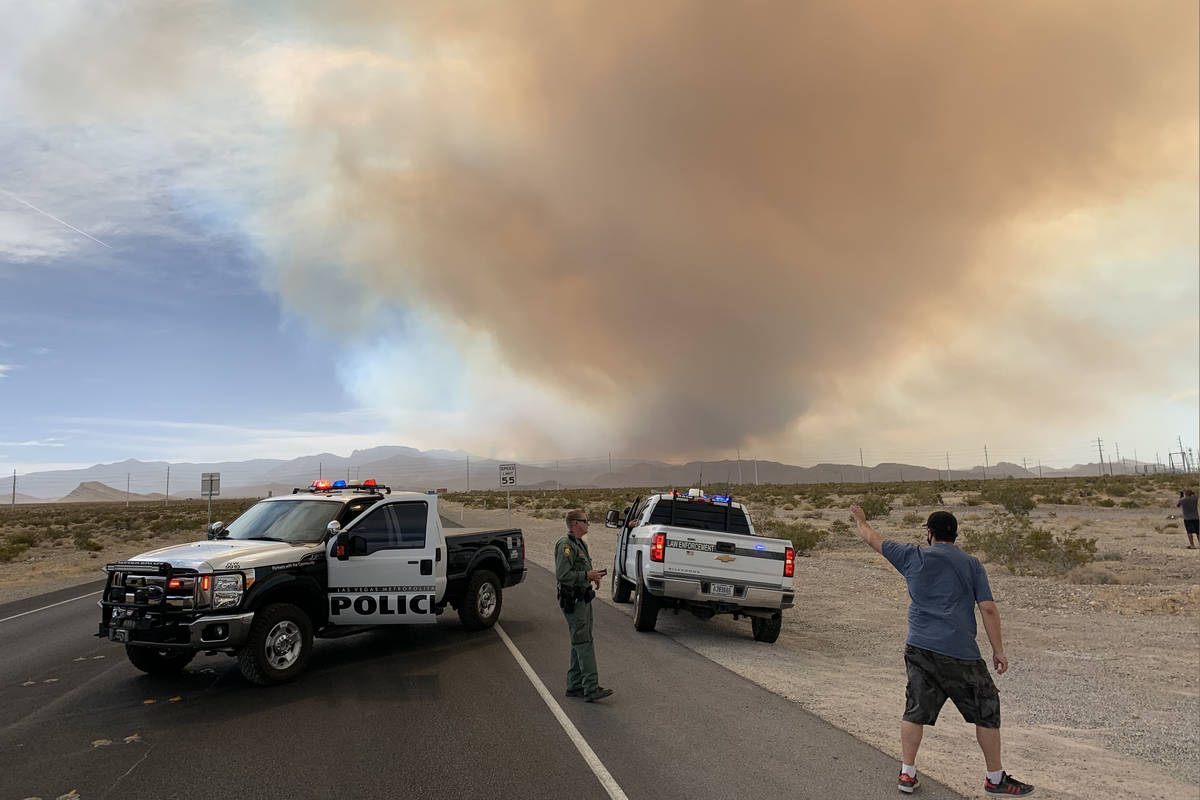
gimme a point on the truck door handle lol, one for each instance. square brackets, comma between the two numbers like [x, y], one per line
[427, 566]
[726, 547]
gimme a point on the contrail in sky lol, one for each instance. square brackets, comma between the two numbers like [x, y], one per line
[56, 219]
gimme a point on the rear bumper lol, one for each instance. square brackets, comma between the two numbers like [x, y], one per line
[697, 592]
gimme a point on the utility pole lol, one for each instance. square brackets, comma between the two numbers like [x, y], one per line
[320, 470]
[557, 476]
[14, 494]
[468, 472]
[985, 462]
[610, 462]
[1118, 446]
[756, 470]
[1039, 468]
[127, 490]
[862, 470]
[1024, 466]
[1100, 447]
[947, 465]
[739, 455]
[168, 494]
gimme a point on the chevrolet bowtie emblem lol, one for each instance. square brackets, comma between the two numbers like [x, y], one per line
[724, 558]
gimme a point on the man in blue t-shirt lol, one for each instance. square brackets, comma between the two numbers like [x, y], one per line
[940, 655]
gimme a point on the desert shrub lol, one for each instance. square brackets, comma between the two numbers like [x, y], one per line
[83, 541]
[803, 536]
[913, 518]
[839, 526]
[1053, 499]
[924, 494]
[1106, 502]
[874, 506]
[1117, 490]
[10, 551]
[1110, 555]
[1131, 504]
[1168, 526]
[813, 515]
[1013, 541]
[1016, 498]
[972, 500]
[788, 507]
[25, 538]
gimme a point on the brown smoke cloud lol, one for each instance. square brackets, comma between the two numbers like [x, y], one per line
[701, 213]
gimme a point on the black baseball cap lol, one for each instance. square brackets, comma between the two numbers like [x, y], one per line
[942, 524]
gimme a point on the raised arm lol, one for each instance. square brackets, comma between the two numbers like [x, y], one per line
[865, 531]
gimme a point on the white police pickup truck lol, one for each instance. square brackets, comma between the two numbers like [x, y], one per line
[313, 563]
[699, 552]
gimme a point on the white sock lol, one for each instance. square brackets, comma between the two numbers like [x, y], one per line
[909, 770]
[996, 777]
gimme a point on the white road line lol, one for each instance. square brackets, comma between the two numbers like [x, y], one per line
[585, 750]
[52, 605]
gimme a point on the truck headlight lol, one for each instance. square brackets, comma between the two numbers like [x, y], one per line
[227, 590]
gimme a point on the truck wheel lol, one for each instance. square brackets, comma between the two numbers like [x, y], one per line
[480, 607]
[159, 662]
[278, 646]
[620, 589]
[766, 630]
[645, 607]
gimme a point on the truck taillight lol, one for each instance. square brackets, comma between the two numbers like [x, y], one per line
[657, 546]
[789, 563]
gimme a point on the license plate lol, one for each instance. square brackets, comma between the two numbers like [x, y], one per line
[118, 634]
[725, 589]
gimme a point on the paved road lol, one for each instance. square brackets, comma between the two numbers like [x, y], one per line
[414, 712]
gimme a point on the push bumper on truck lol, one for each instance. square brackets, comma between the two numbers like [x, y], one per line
[156, 605]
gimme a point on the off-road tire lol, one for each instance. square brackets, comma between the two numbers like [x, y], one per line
[766, 630]
[159, 662]
[279, 645]
[480, 606]
[645, 607]
[621, 590]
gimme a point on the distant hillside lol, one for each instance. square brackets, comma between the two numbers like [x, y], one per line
[96, 492]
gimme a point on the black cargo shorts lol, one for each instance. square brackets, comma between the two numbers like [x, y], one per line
[932, 677]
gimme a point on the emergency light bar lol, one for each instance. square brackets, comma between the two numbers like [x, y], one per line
[325, 486]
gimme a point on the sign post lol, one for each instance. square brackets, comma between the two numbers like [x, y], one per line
[210, 484]
[508, 479]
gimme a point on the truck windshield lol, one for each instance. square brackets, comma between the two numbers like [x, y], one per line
[296, 521]
[703, 516]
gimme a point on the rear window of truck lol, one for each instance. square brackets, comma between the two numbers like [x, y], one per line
[702, 516]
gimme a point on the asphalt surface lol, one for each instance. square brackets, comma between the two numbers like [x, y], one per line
[409, 712]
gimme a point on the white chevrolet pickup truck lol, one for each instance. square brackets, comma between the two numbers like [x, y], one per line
[699, 552]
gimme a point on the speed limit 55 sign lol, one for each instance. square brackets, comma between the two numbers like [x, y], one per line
[508, 475]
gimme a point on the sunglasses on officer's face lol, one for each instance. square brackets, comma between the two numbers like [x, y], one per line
[584, 521]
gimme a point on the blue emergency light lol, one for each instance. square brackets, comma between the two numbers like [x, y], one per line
[339, 484]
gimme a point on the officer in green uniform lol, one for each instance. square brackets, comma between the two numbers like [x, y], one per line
[573, 569]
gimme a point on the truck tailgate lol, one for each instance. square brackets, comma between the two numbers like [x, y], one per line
[727, 558]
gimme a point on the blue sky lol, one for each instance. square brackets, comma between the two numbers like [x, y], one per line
[275, 232]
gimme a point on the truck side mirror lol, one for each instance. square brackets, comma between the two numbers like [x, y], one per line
[341, 546]
[333, 529]
[612, 519]
[215, 530]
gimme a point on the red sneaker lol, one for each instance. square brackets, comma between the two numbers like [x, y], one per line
[908, 783]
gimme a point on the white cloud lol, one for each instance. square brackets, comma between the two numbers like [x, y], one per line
[5, 369]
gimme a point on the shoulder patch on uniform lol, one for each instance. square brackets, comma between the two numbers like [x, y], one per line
[567, 550]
